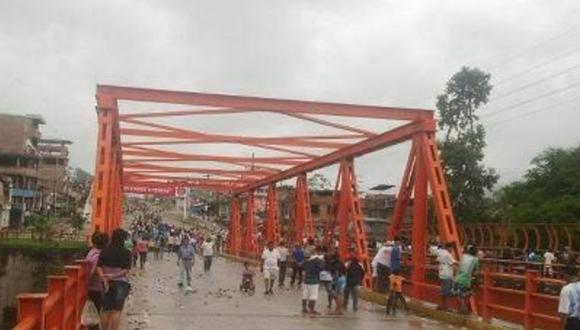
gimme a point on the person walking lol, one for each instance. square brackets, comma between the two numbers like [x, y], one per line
[354, 276]
[142, 249]
[113, 267]
[185, 261]
[283, 263]
[269, 267]
[569, 303]
[95, 285]
[297, 263]
[312, 268]
[207, 249]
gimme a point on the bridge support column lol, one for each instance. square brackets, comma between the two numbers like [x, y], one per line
[249, 243]
[272, 225]
[350, 220]
[419, 233]
[303, 226]
[234, 234]
[107, 187]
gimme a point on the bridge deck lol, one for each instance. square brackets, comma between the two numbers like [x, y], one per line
[157, 303]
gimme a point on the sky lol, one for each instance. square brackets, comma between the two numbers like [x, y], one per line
[391, 53]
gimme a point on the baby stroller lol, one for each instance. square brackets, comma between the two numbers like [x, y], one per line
[247, 285]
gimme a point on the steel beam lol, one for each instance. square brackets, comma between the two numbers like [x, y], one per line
[392, 137]
[258, 103]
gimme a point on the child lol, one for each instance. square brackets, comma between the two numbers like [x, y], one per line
[247, 279]
[396, 293]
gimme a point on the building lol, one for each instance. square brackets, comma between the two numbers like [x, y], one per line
[377, 209]
[5, 202]
[54, 175]
[19, 161]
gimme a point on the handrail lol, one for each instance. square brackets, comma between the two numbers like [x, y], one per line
[60, 307]
[525, 298]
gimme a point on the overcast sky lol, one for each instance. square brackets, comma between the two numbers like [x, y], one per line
[394, 53]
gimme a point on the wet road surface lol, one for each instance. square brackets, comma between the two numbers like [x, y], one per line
[156, 302]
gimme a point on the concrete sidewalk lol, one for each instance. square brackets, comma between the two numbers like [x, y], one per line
[156, 302]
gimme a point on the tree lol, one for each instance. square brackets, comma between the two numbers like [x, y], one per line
[549, 192]
[42, 227]
[318, 182]
[463, 143]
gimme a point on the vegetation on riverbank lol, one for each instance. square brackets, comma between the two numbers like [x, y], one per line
[36, 245]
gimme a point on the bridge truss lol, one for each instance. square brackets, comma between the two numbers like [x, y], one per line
[139, 149]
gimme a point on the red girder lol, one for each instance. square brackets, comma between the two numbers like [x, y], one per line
[394, 136]
[106, 92]
[177, 156]
[298, 141]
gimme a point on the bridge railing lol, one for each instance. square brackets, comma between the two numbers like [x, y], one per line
[524, 298]
[61, 306]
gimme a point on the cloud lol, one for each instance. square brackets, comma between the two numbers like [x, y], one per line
[53, 53]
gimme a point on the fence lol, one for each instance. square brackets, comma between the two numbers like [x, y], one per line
[507, 290]
[59, 308]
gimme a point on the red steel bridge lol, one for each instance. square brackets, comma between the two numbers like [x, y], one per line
[147, 138]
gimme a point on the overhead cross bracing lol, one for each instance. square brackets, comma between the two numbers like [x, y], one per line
[161, 147]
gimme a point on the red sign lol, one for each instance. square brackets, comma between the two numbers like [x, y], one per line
[160, 191]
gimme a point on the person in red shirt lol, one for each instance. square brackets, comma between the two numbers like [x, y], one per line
[142, 249]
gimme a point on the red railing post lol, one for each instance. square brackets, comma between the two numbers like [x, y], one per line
[31, 311]
[55, 317]
[487, 284]
[73, 300]
[84, 278]
[531, 288]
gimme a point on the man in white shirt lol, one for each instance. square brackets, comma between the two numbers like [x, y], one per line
[569, 305]
[207, 251]
[381, 265]
[446, 263]
[269, 266]
[283, 263]
[549, 259]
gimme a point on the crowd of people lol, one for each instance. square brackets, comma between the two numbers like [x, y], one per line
[305, 265]
[111, 258]
[312, 267]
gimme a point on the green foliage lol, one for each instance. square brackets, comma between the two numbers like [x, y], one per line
[42, 227]
[549, 192]
[464, 141]
[36, 245]
[318, 182]
[77, 222]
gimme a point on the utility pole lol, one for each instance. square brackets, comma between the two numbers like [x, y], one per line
[185, 200]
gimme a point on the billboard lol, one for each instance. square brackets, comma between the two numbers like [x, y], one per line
[148, 190]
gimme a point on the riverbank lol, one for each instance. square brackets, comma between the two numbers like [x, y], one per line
[24, 265]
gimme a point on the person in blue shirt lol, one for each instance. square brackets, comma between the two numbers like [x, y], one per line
[297, 265]
[185, 260]
[396, 255]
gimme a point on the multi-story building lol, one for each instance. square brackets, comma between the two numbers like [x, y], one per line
[54, 175]
[19, 160]
[377, 209]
